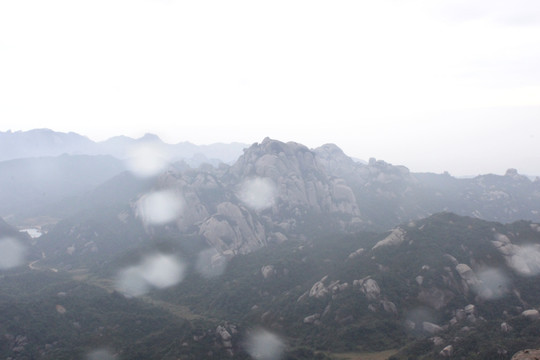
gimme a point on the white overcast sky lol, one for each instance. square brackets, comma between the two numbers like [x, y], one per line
[433, 85]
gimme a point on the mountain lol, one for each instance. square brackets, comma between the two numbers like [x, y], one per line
[308, 248]
[444, 282]
[45, 142]
[15, 247]
[274, 192]
[442, 286]
[374, 195]
[388, 194]
[40, 169]
[55, 317]
[7, 230]
[32, 186]
[281, 191]
[122, 147]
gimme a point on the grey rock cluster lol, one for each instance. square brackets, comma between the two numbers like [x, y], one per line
[270, 189]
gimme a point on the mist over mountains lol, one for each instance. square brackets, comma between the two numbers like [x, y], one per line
[374, 195]
[325, 254]
[45, 142]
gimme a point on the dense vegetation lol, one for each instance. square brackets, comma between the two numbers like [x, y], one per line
[66, 314]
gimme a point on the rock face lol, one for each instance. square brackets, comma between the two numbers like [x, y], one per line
[301, 180]
[531, 314]
[431, 328]
[396, 237]
[268, 271]
[355, 254]
[311, 318]
[225, 334]
[529, 354]
[233, 228]
[468, 277]
[389, 307]
[524, 260]
[319, 290]
[334, 160]
[369, 287]
[447, 351]
[272, 188]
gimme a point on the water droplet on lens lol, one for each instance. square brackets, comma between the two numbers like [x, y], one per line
[210, 263]
[158, 271]
[146, 160]
[264, 345]
[12, 253]
[160, 207]
[258, 193]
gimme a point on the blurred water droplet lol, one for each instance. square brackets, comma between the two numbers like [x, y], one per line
[526, 260]
[415, 319]
[162, 271]
[12, 253]
[210, 263]
[159, 271]
[258, 193]
[100, 354]
[145, 160]
[493, 284]
[264, 345]
[130, 281]
[529, 259]
[159, 207]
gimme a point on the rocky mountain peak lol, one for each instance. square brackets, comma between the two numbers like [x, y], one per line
[513, 174]
[331, 150]
[150, 138]
[275, 159]
[273, 188]
[300, 180]
[383, 166]
[335, 161]
[46, 142]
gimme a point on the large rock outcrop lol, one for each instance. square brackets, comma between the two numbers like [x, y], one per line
[529, 354]
[300, 179]
[273, 187]
[232, 228]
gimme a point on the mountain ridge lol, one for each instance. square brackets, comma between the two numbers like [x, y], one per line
[281, 191]
[46, 142]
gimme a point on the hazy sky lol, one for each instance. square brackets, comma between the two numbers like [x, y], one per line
[434, 85]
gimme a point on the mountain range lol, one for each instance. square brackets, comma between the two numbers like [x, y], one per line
[329, 254]
[46, 142]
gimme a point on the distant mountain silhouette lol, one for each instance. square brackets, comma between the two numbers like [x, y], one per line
[46, 142]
